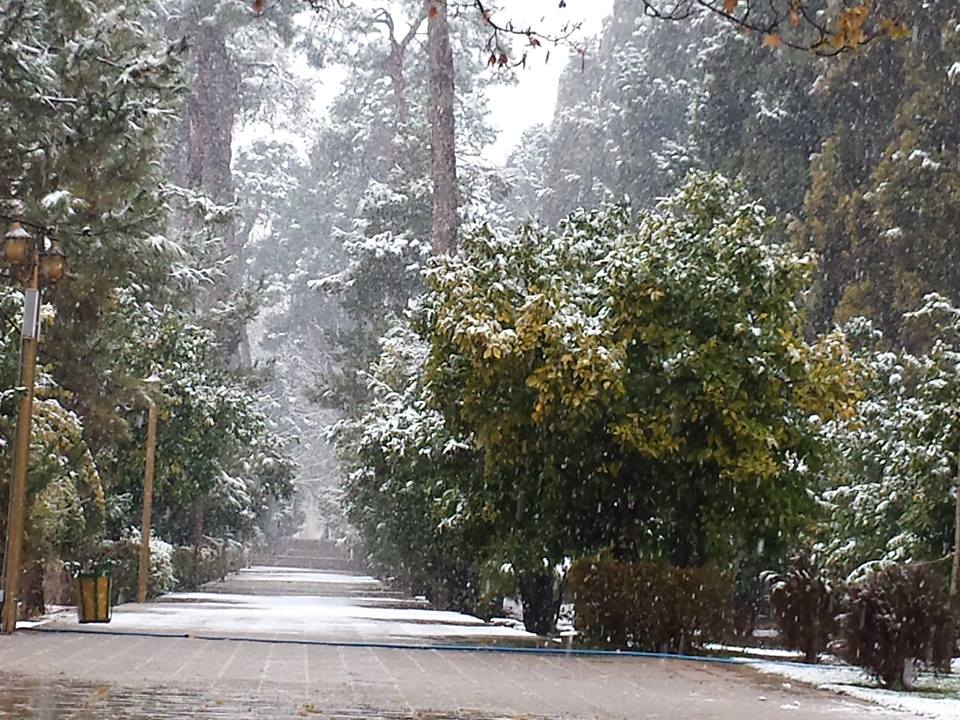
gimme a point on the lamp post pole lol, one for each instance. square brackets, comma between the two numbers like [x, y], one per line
[35, 261]
[147, 502]
[21, 453]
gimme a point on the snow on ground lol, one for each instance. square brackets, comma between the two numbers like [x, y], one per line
[327, 606]
[936, 697]
[309, 618]
[259, 573]
[755, 651]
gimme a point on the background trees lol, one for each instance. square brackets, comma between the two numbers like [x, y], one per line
[91, 92]
[672, 461]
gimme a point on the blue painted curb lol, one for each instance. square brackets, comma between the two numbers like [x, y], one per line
[559, 652]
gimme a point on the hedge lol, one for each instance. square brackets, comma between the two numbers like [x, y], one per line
[649, 606]
[216, 563]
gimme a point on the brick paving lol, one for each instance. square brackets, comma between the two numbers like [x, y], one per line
[64, 671]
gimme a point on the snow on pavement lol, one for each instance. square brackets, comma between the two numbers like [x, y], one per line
[340, 608]
[936, 697]
[262, 574]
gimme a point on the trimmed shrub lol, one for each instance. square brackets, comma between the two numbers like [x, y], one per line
[803, 602]
[649, 606]
[124, 556]
[899, 620]
[171, 568]
[216, 563]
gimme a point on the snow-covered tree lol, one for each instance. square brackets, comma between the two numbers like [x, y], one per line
[401, 489]
[90, 91]
[892, 479]
[217, 454]
[641, 388]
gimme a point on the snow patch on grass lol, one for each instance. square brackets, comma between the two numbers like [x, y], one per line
[935, 697]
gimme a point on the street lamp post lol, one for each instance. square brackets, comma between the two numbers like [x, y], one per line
[152, 383]
[36, 261]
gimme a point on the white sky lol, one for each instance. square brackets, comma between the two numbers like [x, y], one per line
[532, 100]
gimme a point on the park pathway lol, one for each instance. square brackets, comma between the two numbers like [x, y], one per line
[288, 642]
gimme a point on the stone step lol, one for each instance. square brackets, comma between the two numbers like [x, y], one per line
[309, 547]
[310, 563]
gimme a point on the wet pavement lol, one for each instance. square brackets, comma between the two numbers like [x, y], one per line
[286, 643]
[22, 697]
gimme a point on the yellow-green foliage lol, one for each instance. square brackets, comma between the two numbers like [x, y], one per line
[655, 375]
[67, 494]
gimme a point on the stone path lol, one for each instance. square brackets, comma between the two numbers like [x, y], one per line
[298, 604]
[277, 643]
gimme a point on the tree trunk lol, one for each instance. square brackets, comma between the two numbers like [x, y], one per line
[197, 540]
[540, 601]
[210, 114]
[399, 82]
[396, 62]
[442, 127]
[211, 111]
[955, 571]
[691, 550]
[31, 597]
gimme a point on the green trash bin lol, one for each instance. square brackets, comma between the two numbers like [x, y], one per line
[93, 597]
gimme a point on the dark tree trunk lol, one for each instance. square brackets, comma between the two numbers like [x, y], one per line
[955, 565]
[197, 540]
[691, 548]
[32, 598]
[540, 601]
[211, 112]
[442, 127]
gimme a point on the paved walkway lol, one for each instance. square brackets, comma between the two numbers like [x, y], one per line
[293, 662]
[280, 603]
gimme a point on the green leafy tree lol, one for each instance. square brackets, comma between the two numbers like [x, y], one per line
[216, 450]
[642, 388]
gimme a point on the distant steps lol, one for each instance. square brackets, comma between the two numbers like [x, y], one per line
[308, 554]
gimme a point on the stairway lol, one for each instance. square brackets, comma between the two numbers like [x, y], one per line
[308, 554]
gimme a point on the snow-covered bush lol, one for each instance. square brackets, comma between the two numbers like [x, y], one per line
[804, 604]
[898, 620]
[124, 558]
[649, 606]
[215, 563]
[162, 577]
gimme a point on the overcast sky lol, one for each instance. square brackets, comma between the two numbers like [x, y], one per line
[533, 98]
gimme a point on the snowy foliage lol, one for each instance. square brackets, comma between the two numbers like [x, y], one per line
[891, 478]
[559, 392]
